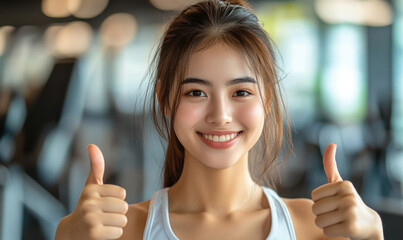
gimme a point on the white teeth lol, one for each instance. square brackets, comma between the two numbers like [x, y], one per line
[221, 138]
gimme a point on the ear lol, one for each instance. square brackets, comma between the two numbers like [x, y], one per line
[166, 111]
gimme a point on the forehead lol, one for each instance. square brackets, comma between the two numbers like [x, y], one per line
[218, 62]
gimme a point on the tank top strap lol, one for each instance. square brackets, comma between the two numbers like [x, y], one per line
[157, 225]
[281, 225]
[151, 215]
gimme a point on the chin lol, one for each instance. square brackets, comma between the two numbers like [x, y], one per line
[217, 163]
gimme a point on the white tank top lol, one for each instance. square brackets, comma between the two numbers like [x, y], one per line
[159, 228]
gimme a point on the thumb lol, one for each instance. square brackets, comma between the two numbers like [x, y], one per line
[329, 164]
[97, 165]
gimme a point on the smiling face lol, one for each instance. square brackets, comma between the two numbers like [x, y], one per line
[220, 115]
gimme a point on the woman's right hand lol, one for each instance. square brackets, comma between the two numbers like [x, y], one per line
[100, 210]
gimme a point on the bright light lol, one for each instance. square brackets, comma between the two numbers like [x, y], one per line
[4, 33]
[87, 8]
[77, 8]
[118, 30]
[363, 12]
[55, 8]
[344, 86]
[50, 36]
[172, 4]
[70, 40]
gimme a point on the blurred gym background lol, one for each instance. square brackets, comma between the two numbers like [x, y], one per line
[71, 72]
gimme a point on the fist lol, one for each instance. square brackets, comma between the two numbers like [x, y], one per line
[338, 208]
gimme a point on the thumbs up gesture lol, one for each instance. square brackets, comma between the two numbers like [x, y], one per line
[100, 210]
[338, 208]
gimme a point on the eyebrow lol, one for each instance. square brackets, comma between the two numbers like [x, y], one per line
[230, 82]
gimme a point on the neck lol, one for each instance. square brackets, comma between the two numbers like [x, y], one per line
[215, 191]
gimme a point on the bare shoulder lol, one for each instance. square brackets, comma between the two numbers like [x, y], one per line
[300, 207]
[136, 221]
[303, 219]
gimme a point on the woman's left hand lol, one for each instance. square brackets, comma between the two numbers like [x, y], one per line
[338, 208]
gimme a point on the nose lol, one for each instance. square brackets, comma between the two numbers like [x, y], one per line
[219, 112]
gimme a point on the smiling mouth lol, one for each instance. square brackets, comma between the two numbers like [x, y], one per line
[219, 138]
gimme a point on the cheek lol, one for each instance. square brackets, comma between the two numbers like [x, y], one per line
[252, 115]
[187, 115]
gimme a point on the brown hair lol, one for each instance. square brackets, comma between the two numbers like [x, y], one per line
[198, 27]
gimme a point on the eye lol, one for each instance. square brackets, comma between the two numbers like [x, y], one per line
[241, 93]
[196, 93]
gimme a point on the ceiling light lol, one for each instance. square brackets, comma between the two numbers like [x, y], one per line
[118, 30]
[71, 40]
[87, 8]
[172, 4]
[363, 12]
[55, 8]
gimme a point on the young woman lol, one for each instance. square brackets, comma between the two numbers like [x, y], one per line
[216, 95]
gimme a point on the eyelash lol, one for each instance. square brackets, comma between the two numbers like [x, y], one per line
[191, 93]
[244, 91]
